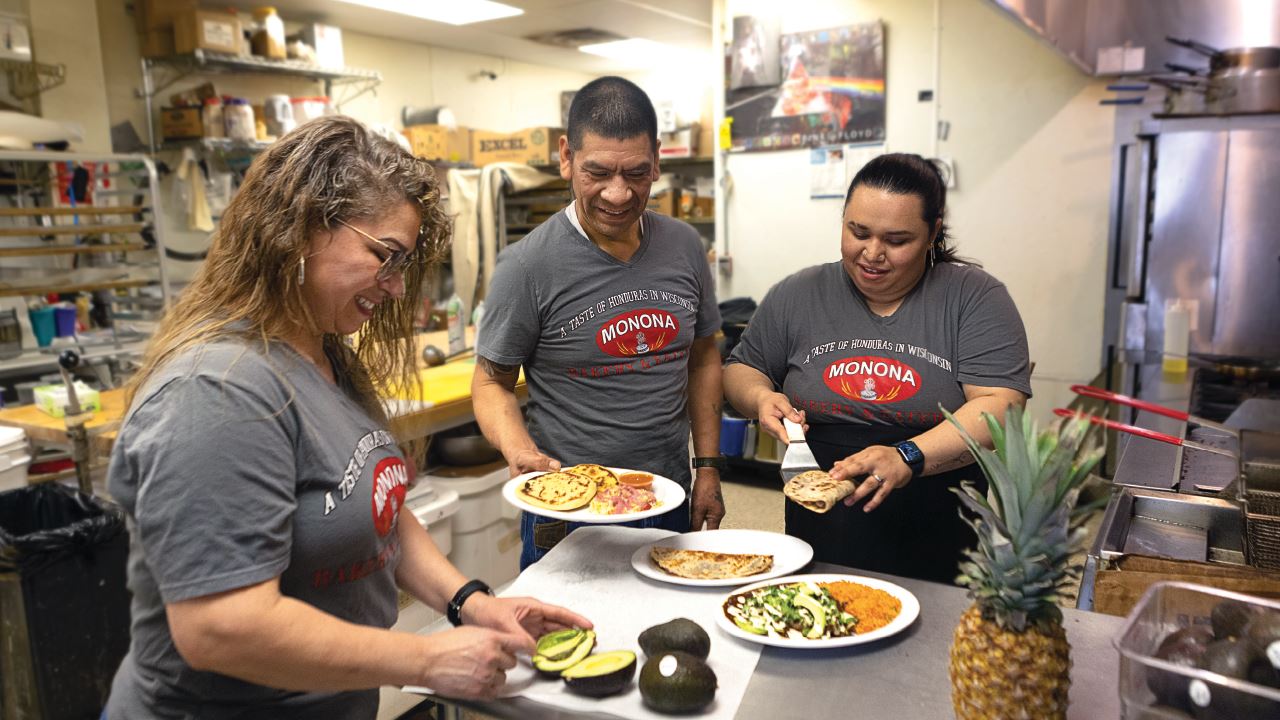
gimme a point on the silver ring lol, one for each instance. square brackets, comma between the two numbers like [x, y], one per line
[879, 480]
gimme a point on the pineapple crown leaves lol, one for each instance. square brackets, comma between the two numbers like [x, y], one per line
[1028, 532]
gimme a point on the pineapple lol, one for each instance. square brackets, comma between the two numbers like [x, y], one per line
[1010, 657]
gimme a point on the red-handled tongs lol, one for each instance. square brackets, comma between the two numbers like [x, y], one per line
[1144, 432]
[1107, 396]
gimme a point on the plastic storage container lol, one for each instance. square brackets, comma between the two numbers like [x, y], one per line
[733, 435]
[15, 457]
[238, 118]
[1184, 692]
[214, 121]
[486, 529]
[64, 604]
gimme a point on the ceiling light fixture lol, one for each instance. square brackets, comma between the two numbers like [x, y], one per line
[453, 12]
[633, 51]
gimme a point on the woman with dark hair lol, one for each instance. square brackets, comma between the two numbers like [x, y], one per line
[865, 351]
[262, 484]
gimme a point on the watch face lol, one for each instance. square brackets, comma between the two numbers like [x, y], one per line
[910, 453]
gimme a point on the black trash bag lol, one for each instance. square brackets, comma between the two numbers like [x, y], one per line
[64, 602]
[40, 523]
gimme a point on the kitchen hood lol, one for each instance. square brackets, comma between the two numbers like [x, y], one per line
[1127, 37]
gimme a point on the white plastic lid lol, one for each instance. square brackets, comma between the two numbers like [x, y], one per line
[432, 508]
[11, 436]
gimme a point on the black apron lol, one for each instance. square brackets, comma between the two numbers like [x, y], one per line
[916, 532]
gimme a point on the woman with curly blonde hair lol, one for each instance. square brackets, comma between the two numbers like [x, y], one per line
[262, 484]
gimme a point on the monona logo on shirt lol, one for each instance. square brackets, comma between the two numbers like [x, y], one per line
[872, 379]
[638, 332]
[389, 480]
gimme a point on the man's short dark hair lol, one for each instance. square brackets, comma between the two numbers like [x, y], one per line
[613, 108]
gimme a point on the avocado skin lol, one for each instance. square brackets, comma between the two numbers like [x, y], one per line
[1229, 618]
[681, 634]
[604, 684]
[1182, 648]
[689, 689]
[1232, 658]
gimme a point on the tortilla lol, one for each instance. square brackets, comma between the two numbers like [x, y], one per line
[603, 476]
[557, 491]
[815, 490]
[703, 565]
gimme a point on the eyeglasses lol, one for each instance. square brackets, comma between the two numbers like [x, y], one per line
[396, 261]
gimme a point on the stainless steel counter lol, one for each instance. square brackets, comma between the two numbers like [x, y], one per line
[901, 677]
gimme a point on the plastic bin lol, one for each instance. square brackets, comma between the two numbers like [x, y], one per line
[64, 603]
[733, 435]
[486, 530]
[15, 457]
[1165, 608]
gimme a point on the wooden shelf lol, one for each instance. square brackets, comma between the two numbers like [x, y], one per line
[70, 249]
[82, 210]
[39, 231]
[74, 287]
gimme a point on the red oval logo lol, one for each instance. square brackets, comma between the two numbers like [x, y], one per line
[872, 379]
[638, 332]
[389, 480]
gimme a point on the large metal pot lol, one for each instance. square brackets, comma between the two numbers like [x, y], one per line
[1238, 80]
[1261, 57]
[1254, 91]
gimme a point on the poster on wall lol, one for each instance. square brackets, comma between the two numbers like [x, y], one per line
[756, 42]
[831, 93]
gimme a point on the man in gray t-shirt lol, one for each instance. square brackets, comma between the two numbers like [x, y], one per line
[611, 311]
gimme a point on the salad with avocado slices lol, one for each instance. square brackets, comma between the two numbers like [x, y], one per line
[800, 611]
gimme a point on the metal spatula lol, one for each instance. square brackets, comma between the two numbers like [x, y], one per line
[798, 458]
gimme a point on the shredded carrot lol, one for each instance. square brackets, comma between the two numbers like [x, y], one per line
[873, 608]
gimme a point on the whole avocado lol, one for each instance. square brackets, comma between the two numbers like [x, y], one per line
[680, 634]
[1182, 648]
[1233, 659]
[677, 682]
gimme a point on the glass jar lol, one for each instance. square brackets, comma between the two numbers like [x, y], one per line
[10, 334]
[268, 40]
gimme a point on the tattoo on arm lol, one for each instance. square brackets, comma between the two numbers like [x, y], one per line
[495, 370]
[958, 461]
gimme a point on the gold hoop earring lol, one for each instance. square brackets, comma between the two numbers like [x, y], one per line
[302, 271]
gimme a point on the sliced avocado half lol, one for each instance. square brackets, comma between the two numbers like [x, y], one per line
[559, 644]
[601, 675]
[553, 668]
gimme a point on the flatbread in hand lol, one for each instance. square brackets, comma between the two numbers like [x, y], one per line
[703, 565]
[815, 490]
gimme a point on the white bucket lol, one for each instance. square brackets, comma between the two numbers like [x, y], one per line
[14, 458]
[486, 530]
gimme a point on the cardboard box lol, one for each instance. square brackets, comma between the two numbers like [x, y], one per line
[666, 203]
[160, 14]
[682, 143]
[156, 43]
[181, 123]
[326, 40]
[703, 207]
[534, 146]
[207, 30]
[439, 142]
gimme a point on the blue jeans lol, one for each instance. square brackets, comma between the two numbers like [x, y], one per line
[540, 534]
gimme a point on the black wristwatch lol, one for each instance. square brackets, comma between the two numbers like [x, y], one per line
[912, 456]
[718, 462]
[454, 611]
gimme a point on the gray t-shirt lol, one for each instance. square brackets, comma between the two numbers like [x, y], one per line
[604, 343]
[234, 467]
[816, 339]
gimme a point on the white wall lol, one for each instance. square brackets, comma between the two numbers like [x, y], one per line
[65, 31]
[1032, 151]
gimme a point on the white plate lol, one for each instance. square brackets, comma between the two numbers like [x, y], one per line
[910, 610]
[789, 554]
[668, 492]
